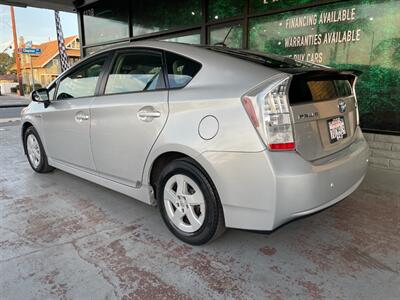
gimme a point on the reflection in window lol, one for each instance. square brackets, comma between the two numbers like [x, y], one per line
[134, 73]
[181, 70]
[222, 9]
[154, 15]
[81, 83]
[230, 36]
[105, 21]
[91, 50]
[193, 39]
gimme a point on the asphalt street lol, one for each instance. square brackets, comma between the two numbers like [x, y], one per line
[10, 112]
[10, 107]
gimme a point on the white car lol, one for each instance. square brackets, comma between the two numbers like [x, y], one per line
[216, 137]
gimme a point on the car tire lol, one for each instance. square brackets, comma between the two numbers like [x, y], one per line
[189, 203]
[35, 152]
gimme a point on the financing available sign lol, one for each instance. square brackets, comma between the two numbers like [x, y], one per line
[359, 35]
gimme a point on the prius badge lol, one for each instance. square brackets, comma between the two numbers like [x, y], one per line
[342, 106]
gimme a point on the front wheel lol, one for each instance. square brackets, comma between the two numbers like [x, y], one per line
[189, 204]
[35, 152]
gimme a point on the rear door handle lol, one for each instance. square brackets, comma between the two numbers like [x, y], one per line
[147, 114]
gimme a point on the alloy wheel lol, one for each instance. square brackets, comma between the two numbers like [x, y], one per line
[184, 203]
[33, 148]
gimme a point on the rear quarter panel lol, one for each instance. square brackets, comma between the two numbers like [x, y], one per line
[215, 91]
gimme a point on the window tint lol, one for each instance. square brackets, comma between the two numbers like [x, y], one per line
[304, 88]
[81, 83]
[181, 70]
[135, 72]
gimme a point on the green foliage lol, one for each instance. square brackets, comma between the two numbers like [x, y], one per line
[6, 62]
[377, 88]
[154, 15]
[225, 8]
[376, 54]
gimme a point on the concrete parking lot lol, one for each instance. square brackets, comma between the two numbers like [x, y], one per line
[62, 237]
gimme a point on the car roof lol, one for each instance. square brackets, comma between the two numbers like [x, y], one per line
[202, 53]
[181, 48]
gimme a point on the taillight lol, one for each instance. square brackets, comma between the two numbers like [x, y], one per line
[272, 104]
[248, 106]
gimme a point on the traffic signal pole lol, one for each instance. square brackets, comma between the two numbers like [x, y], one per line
[16, 54]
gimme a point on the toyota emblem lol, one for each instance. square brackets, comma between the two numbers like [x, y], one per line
[342, 106]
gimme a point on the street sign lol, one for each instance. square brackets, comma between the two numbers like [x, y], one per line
[28, 44]
[32, 51]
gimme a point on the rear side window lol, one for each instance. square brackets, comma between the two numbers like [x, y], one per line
[136, 72]
[181, 70]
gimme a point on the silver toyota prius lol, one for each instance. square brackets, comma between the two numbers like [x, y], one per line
[215, 137]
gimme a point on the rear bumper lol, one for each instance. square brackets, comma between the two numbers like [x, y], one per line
[261, 191]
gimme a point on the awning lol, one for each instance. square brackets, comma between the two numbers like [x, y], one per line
[61, 5]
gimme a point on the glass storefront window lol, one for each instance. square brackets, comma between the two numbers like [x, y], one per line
[262, 6]
[154, 16]
[361, 35]
[228, 36]
[222, 9]
[104, 21]
[187, 39]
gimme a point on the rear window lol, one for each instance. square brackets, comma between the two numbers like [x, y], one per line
[328, 89]
[181, 70]
[303, 89]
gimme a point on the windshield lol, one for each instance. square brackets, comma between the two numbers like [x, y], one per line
[266, 59]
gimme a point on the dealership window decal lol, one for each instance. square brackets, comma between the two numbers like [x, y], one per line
[362, 35]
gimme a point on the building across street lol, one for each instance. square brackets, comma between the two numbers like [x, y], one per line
[45, 66]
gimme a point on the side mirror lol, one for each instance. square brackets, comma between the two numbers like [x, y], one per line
[42, 96]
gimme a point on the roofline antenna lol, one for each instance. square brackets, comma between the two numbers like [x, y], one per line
[224, 40]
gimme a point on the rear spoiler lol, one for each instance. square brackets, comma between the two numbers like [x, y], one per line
[350, 72]
[324, 71]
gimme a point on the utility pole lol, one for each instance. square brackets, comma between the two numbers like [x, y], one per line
[33, 78]
[17, 61]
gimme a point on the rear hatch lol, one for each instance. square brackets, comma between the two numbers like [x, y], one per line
[320, 101]
[324, 111]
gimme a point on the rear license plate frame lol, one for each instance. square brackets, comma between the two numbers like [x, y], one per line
[336, 129]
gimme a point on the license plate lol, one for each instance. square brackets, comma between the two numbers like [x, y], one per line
[337, 129]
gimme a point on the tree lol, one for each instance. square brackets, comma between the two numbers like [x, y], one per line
[6, 62]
